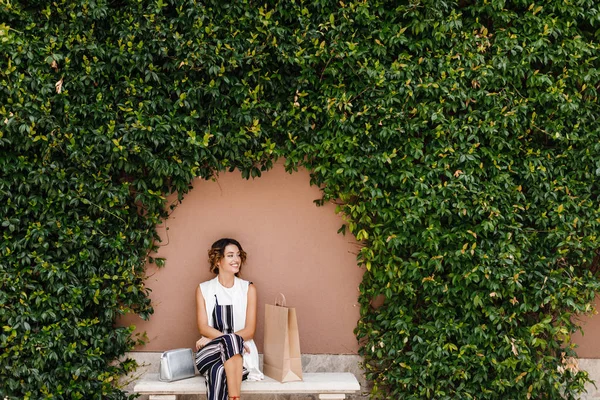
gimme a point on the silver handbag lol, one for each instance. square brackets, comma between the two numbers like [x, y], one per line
[176, 364]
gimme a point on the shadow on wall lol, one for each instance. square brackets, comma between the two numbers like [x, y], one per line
[293, 247]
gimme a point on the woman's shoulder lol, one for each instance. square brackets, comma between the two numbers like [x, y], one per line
[243, 282]
[207, 284]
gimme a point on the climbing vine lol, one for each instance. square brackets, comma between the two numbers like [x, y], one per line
[459, 138]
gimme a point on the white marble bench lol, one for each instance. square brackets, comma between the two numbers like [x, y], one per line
[328, 385]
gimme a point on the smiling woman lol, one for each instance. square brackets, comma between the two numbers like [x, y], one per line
[226, 252]
[226, 315]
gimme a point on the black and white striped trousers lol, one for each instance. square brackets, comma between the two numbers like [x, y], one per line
[210, 360]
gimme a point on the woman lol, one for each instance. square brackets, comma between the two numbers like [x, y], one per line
[226, 316]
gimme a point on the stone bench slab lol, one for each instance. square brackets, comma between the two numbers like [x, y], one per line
[331, 385]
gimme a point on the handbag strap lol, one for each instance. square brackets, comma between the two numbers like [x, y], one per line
[281, 297]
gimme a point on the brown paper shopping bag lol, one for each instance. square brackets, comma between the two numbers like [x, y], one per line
[281, 347]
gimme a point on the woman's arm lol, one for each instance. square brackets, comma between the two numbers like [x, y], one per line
[248, 332]
[202, 319]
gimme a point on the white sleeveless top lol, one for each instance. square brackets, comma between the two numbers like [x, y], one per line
[237, 296]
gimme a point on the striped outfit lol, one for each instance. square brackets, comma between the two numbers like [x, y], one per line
[226, 311]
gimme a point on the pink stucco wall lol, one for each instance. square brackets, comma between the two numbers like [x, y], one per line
[588, 343]
[293, 247]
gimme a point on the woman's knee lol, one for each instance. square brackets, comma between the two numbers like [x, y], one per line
[234, 337]
[233, 360]
[234, 344]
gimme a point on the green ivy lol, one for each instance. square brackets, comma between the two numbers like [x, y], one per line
[459, 138]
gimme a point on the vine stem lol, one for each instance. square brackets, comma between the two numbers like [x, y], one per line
[86, 201]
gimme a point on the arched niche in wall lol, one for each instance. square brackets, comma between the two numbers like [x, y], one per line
[293, 247]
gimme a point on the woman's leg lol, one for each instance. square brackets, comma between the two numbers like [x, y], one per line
[233, 362]
[209, 361]
[233, 372]
[220, 361]
[216, 383]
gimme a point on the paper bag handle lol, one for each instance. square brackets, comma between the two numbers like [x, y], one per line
[281, 297]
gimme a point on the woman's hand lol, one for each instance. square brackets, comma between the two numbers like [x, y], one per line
[200, 343]
[246, 348]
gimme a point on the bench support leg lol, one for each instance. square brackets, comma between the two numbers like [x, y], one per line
[162, 397]
[332, 396]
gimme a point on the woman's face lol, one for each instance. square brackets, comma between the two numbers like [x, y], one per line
[231, 261]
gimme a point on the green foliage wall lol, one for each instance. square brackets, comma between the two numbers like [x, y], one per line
[460, 140]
